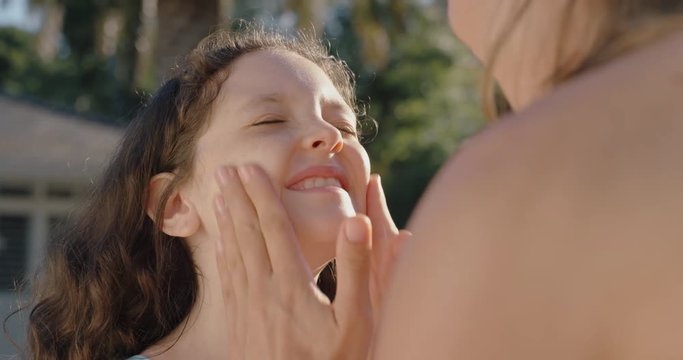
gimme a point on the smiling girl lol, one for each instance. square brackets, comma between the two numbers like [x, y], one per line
[137, 272]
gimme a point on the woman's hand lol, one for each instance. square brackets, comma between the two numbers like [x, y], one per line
[387, 240]
[272, 303]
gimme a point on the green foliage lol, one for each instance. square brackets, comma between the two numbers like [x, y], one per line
[423, 101]
[423, 96]
[85, 84]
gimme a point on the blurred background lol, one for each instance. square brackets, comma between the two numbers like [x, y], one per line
[73, 73]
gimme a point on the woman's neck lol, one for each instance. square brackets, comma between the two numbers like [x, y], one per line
[544, 38]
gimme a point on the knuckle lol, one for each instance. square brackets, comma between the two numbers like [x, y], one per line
[280, 225]
[238, 273]
[277, 219]
[252, 228]
[358, 261]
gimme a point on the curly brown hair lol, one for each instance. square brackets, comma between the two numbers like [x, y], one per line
[114, 283]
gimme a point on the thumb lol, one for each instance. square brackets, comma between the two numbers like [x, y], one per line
[354, 247]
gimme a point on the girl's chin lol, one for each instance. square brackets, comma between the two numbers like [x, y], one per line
[318, 207]
[317, 225]
[318, 241]
[321, 228]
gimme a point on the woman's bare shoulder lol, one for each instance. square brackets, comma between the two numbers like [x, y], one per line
[601, 153]
[555, 229]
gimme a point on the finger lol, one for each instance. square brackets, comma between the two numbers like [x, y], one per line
[228, 258]
[278, 232]
[377, 208]
[382, 275]
[383, 225]
[247, 231]
[352, 301]
[398, 243]
[230, 266]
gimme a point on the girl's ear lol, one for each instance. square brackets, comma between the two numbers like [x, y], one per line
[179, 217]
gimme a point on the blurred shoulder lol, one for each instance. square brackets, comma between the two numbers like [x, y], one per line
[621, 118]
[564, 216]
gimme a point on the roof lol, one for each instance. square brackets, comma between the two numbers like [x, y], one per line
[40, 143]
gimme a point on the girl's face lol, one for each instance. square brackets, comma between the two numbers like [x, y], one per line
[282, 112]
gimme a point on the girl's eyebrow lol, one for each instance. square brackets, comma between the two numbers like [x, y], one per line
[273, 98]
[342, 107]
[278, 98]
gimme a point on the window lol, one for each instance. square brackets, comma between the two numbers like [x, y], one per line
[13, 249]
[31, 217]
[61, 191]
[15, 190]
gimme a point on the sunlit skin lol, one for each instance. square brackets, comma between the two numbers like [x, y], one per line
[281, 112]
[526, 59]
[555, 233]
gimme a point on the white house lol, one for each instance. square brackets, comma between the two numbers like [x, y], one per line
[48, 161]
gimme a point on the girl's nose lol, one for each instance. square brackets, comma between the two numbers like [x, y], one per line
[324, 137]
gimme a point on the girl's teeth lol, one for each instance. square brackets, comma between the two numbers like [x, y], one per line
[318, 182]
[309, 184]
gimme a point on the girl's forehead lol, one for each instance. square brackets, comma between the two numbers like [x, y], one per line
[269, 70]
[276, 76]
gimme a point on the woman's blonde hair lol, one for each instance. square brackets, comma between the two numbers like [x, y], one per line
[628, 24]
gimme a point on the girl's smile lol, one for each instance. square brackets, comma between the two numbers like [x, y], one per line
[280, 111]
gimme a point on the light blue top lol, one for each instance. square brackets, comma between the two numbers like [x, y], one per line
[138, 357]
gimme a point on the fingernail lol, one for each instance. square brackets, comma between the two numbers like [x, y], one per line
[355, 230]
[219, 245]
[245, 173]
[220, 205]
[224, 175]
[379, 181]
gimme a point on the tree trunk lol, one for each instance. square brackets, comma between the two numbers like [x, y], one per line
[182, 24]
[227, 9]
[47, 40]
[145, 76]
[373, 36]
[310, 14]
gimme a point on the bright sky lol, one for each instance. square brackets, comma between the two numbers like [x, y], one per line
[16, 13]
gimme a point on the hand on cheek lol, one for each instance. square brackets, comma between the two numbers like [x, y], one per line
[268, 291]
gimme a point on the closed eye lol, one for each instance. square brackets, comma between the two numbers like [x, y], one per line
[348, 130]
[269, 122]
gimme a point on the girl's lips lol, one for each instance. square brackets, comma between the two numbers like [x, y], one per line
[312, 183]
[318, 177]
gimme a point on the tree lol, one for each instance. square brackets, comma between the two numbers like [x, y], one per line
[47, 39]
[310, 14]
[417, 80]
[181, 25]
[424, 98]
